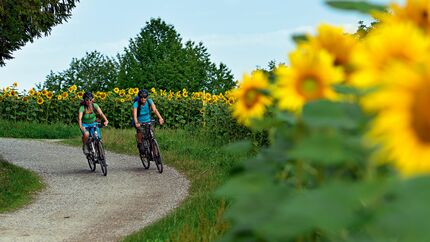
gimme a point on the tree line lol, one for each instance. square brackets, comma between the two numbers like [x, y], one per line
[156, 57]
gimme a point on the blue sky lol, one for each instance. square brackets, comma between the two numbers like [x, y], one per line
[241, 34]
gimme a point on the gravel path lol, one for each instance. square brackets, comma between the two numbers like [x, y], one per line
[79, 205]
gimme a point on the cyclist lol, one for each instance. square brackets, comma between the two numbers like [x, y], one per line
[141, 113]
[87, 117]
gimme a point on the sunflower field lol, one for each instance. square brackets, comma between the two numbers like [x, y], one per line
[348, 124]
[178, 108]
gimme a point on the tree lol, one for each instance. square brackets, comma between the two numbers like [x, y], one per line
[21, 21]
[94, 72]
[156, 57]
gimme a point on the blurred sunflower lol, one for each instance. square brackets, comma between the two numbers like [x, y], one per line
[122, 100]
[388, 45]
[130, 91]
[415, 11]
[252, 98]
[154, 91]
[80, 94]
[25, 99]
[44, 92]
[402, 123]
[103, 95]
[39, 100]
[121, 92]
[116, 90]
[336, 42]
[231, 100]
[72, 88]
[13, 93]
[310, 77]
[15, 84]
[65, 95]
[136, 90]
[59, 97]
[184, 93]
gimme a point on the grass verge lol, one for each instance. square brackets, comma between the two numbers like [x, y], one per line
[37, 131]
[17, 186]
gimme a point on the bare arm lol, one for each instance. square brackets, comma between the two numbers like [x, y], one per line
[136, 122]
[80, 120]
[103, 116]
[154, 109]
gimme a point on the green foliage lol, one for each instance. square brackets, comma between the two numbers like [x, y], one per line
[17, 186]
[94, 72]
[157, 57]
[22, 21]
[360, 6]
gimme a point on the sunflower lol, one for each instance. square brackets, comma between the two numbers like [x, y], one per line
[231, 100]
[136, 90]
[402, 122]
[310, 77]
[121, 92]
[31, 92]
[65, 95]
[122, 100]
[15, 84]
[25, 99]
[12, 93]
[80, 94]
[388, 45]
[252, 100]
[130, 91]
[338, 43]
[103, 95]
[59, 97]
[185, 93]
[116, 90]
[49, 95]
[154, 91]
[44, 92]
[39, 100]
[414, 11]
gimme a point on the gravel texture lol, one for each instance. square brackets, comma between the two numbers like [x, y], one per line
[80, 205]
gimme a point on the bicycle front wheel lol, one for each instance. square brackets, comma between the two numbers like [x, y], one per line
[102, 158]
[157, 156]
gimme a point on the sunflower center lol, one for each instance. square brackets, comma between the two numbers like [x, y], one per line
[421, 115]
[251, 97]
[310, 88]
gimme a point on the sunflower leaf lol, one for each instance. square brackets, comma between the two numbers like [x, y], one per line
[360, 6]
[298, 38]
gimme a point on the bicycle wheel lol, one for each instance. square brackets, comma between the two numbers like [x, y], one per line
[91, 163]
[90, 157]
[143, 156]
[102, 158]
[157, 156]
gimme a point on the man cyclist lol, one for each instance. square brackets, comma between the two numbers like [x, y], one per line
[142, 113]
[87, 117]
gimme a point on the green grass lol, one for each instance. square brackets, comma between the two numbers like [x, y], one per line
[206, 165]
[17, 186]
[37, 131]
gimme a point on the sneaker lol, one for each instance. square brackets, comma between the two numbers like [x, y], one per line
[85, 149]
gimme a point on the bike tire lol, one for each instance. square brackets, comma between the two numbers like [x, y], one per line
[91, 163]
[157, 156]
[102, 158]
[143, 157]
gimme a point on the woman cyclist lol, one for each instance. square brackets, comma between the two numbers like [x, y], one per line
[87, 117]
[141, 113]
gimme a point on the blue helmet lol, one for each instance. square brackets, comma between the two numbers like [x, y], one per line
[143, 93]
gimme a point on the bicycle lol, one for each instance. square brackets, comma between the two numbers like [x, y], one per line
[96, 151]
[149, 149]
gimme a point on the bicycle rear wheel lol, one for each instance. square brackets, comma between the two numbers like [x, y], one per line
[102, 158]
[156, 155]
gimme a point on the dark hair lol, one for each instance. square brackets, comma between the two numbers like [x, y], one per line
[87, 95]
[143, 93]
